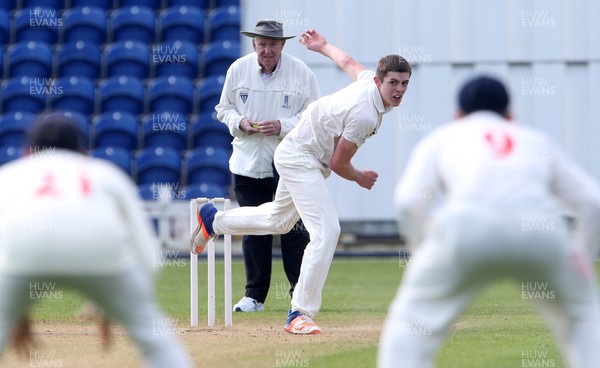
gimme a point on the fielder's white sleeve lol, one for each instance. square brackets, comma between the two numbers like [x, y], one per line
[143, 241]
[581, 193]
[417, 190]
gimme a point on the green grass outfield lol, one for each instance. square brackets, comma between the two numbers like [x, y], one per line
[500, 330]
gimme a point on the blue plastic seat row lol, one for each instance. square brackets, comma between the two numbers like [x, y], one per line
[137, 59]
[123, 94]
[164, 165]
[158, 171]
[157, 165]
[135, 22]
[111, 4]
[124, 131]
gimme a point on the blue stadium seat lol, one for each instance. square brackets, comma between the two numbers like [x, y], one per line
[4, 27]
[9, 153]
[116, 129]
[224, 23]
[185, 23]
[133, 23]
[24, 94]
[76, 94]
[79, 58]
[30, 58]
[209, 92]
[171, 93]
[128, 58]
[8, 5]
[85, 23]
[208, 165]
[13, 128]
[219, 55]
[54, 4]
[123, 93]
[208, 131]
[202, 4]
[152, 4]
[220, 3]
[102, 4]
[37, 24]
[165, 129]
[79, 119]
[158, 165]
[117, 155]
[204, 190]
[178, 58]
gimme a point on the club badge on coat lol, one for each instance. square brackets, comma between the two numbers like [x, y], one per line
[286, 102]
[244, 97]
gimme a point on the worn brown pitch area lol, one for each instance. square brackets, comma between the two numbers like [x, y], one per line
[246, 344]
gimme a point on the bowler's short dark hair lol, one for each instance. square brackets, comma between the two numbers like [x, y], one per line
[392, 63]
[55, 130]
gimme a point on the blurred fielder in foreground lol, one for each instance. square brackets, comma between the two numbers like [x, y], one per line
[506, 188]
[69, 220]
[327, 137]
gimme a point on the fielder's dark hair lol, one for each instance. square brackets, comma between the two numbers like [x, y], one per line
[392, 63]
[55, 130]
[483, 93]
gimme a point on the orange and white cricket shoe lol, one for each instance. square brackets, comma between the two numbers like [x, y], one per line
[204, 230]
[299, 323]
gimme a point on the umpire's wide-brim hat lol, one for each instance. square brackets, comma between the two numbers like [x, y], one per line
[268, 28]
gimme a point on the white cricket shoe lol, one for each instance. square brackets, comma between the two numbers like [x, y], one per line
[248, 305]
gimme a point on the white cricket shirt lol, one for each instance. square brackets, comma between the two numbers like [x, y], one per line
[353, 112]
[486, 161]
[246, 94]
[66, 213]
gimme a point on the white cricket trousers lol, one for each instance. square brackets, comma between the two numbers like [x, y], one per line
[301, 192]
[467, 248]
[127, 298]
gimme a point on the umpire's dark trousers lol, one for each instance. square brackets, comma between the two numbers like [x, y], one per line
[258, 249]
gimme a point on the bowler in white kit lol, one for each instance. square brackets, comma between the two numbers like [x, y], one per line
[504, 190]
[328, 135]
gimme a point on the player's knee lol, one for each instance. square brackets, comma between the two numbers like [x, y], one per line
[333, 232]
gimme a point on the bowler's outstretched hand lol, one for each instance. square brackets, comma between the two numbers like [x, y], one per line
[313, 40]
